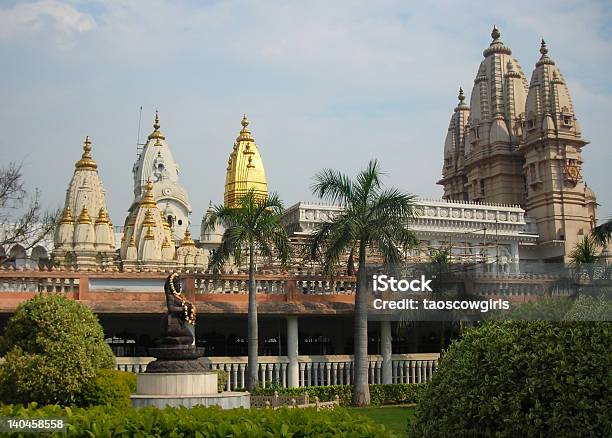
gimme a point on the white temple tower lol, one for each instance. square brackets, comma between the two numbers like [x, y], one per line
[156, 164]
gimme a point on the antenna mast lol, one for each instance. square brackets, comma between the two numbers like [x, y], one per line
[139, 145]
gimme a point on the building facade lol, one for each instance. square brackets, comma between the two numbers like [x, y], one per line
[520, 143]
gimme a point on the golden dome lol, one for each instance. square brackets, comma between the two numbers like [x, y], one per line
[103, 217]
[187, 240]
[86, 162]
[245, 169]
[149, 235]
[149, 221]
[84, 217]
[147, 199]
[156, 132]
[67, 216]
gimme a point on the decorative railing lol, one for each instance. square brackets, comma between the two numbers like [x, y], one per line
[273, 284]
[38, 281]
[313, 370]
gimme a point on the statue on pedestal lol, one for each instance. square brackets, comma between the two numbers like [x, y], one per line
[176, 351]
[178, 324]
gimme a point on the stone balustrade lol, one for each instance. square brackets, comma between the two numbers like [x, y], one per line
[313, 370]
[274, 284]
[38, 281]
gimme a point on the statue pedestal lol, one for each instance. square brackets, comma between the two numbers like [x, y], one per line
[177, 378]
[176, 359]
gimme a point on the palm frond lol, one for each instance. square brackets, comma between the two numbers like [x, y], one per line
[334, 187]
[603, 233]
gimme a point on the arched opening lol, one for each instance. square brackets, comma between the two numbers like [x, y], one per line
[17, 257]
[40, 257]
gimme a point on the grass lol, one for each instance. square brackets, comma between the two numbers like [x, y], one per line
[394, 418]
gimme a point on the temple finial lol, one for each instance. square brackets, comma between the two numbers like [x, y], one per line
[461, 96]
[495, 33]
[543, 48]
[156, 132]
[245, 134]
[156, 124]
[86, 161]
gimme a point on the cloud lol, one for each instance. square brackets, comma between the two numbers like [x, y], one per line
[324, 83]
[48, 17]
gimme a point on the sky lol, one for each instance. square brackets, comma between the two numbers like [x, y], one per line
[324, 84]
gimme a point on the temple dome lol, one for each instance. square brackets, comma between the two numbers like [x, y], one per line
[146, 235]
[498, 98]
[454, 143]
[245, 169]
[156, 164]
[549, 108]
[86, 199]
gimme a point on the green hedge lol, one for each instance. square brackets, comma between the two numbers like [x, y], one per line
[519, 378]
[399, 393]
[110, 388]
[52, 346]
[101, 421]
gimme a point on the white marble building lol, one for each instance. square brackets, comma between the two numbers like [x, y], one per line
[494, 236]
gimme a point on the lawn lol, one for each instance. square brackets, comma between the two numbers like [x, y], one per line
[394, 418]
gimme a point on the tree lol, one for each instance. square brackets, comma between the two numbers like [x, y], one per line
[372, 216]
[521, 378]
[251, 226]
[52, 347]
[603, 233]
[585, 255]
[22, 220]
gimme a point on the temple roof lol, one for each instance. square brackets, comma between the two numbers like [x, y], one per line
[456, 129]
[245, 169]
[549, 108]
[499, 95]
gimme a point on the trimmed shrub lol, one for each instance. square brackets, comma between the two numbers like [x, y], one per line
[204, 422]
[221, 379]
[398, 393]
[110, 388]
[52, 347]
[520, 378]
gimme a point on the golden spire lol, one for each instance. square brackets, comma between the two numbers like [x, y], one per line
[84, 217]
[86, 162]
[245, 134]
[166, 243]
[103, 217]
[67, 217]
[149, 235]
[187, 240]
[147, 199]
[245, 169]
[156, 132]
[148, 219]
[132, 240]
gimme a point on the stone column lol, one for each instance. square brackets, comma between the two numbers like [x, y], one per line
[293, 370]
[386, 347]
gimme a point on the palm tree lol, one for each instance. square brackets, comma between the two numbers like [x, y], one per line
[585, 255]
[372, 216]
[603, 233]
[251, 226]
